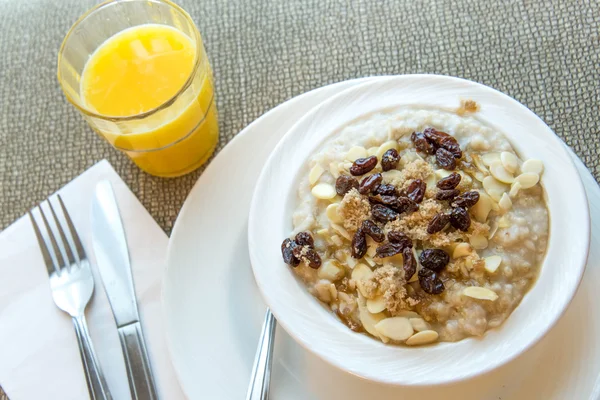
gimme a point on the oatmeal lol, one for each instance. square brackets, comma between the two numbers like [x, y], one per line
[416, 226]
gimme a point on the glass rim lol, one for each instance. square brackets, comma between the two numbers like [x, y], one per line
[88, 112]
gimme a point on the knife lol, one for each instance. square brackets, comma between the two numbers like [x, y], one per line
[112, 258]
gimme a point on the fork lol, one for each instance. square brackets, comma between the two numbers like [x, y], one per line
[72, 285]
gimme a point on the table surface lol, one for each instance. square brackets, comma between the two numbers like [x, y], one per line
[544, 54]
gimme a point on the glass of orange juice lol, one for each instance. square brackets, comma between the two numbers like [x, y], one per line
[138, 72]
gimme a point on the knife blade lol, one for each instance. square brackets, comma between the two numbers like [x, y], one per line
[112, 258]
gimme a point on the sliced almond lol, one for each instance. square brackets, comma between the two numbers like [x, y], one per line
[361, 272]
[376, 305]
[371, 250]
[528, 180]
[391, 144]
[509, 161]
[479, 163]
[482, 208]
[368, 320]
[315, 173]
[533, 165]
[333, 170]
[431, 181]
[395, 328]
[500, 173]
[335, 239]
[478, 143]
[372, 151]
[331, 270]
[333, 291]
[514, 189]
[494, 188]
[462, 250]
[324, 191]
[356, 152]
[332, 213]
[370, 261]
[493, 229]
[478, 242]
[503, 222]
[464, 178]
[492, 263]
[442, 173]
[323, 232]
[419, 324]
[505, 203]
[480, 293]
[351, 262]
[408, 314]
[489, 158]
[341, 230]
[421, 338]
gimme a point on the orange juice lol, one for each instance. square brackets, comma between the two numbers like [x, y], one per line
[137, 80]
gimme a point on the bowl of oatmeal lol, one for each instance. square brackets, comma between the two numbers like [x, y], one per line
[421, 230]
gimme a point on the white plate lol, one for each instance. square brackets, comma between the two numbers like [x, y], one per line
[317, 329]
[214, 312]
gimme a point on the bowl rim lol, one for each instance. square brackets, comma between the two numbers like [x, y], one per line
[550, 136]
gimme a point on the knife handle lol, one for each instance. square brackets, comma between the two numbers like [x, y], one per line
[141, 382]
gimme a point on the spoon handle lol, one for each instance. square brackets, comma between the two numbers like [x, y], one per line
[261, 371]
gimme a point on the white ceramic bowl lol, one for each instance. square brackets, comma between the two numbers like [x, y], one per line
[317, 329]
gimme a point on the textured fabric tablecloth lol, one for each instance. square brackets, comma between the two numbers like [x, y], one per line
[544, 54]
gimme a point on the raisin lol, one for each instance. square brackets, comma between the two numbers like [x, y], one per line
[386, 190]
[466, 200]
[390, 159]
[287, 248]
[368, 184]
[421, 143]
[406, 205]
[400, 238]
[344, 184]
[416, 190]
[449, 182]
[447, 194]
[359, 244]
[438, 222]
[388, 250]
[450, 144]
[308, 255]
[370, 228]
[312, 258]
[435, 137]
[445, 159]
[383, 214]
[410, 264]
[363, 165]
[305, 239]
[430, 282]
[460, 219]
[434, 259]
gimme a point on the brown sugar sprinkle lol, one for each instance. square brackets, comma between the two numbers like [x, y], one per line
[418, 169]
[467, 107]
[389, 282]
[354, 209]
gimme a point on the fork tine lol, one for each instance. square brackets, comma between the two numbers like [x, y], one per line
[78, 246]
[51, 266]
[66, 246]
[58, 250]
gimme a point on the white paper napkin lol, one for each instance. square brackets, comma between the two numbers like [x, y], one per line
[39, 355]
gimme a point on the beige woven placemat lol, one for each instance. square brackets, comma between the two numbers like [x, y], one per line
[544, 54]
